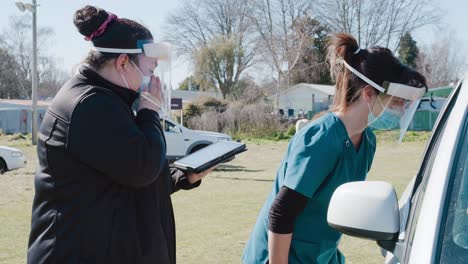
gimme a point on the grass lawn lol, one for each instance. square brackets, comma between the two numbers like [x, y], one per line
[214, 220]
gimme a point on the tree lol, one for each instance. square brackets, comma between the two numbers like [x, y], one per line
[247, 91]
[281, 33]
[441, 62]
[16, 39]
[215, 64]
[9, 70]
[312, 66]
[189, 84]
[214, 35]
[408, 51]
[377, 22]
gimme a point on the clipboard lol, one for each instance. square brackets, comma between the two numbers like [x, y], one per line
[207, 157]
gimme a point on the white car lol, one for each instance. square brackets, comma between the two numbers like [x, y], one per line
[182, 141]
[11, 159]
[430, 222]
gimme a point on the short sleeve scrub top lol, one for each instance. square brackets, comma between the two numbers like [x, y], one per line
[319, 158]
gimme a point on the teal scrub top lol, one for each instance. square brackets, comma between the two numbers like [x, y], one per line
[319, 158]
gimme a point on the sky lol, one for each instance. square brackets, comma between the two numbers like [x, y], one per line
[70, 46]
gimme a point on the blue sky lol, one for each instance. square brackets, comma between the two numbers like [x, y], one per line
[71, 47]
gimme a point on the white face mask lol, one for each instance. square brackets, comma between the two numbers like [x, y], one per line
[143, 91]
[144, 86]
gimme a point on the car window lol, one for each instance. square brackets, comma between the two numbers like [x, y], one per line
[168, 126]
[453, 241]
[420, 192]
[425, 170]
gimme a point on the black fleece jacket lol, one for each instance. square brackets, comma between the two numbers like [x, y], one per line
[103, 184]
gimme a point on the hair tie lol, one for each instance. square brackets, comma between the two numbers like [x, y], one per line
[357, 51]
[102, 28]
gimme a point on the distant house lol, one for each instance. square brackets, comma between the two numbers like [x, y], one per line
[310, 98]
[16, 115]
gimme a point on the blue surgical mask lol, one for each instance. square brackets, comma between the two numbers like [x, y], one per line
[144, 86]
[387, 120]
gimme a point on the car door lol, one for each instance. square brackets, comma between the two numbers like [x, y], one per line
[452, 246]
[429, 222]
[410, 212]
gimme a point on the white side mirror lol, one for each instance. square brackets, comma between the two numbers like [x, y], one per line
[366, 209]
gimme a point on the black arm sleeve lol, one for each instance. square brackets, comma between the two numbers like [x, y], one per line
[104, 136]
[180, 181]
[287, 205]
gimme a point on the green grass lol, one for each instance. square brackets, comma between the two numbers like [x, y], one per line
[16, 193]
[214, 220]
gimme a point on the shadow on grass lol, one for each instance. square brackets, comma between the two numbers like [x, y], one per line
[236, 168]
[233, 168]
[242, 179]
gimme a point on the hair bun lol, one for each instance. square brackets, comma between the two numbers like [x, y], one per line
[88, 19]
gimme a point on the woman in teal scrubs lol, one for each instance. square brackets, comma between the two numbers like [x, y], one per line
[334, 149]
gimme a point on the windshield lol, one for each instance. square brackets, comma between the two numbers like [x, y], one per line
[454, 238]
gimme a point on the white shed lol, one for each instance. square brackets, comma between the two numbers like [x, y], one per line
[16, 115]
[306, 96]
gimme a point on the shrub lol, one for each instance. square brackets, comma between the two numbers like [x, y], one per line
[291, 130]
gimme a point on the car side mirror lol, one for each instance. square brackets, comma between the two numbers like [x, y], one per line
[367, 209]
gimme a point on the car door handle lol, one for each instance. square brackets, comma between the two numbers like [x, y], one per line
[187, 139]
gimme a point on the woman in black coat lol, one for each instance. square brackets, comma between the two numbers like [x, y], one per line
[103, 183]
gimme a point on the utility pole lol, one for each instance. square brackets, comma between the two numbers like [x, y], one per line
[33, 9]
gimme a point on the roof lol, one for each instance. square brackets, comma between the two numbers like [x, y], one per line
[18, 102]
[189, 96]
[323, 88]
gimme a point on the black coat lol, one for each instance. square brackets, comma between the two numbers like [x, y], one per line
[103, 183]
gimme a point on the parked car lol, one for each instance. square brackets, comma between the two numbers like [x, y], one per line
[11, 159]
[182, 141]
[429, 224]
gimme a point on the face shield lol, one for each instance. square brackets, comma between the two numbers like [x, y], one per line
[395, 105]
[162, 52]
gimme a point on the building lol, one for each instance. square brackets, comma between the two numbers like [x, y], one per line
[16, 115]
[310, 98]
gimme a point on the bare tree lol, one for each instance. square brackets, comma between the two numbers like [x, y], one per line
[282, 32]
[311, 66]
[217, 30]
[17, 40]
[9, 70]
[441, 62]
[377, 22]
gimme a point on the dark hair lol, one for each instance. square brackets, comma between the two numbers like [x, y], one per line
[120, 33]
[377, 63]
